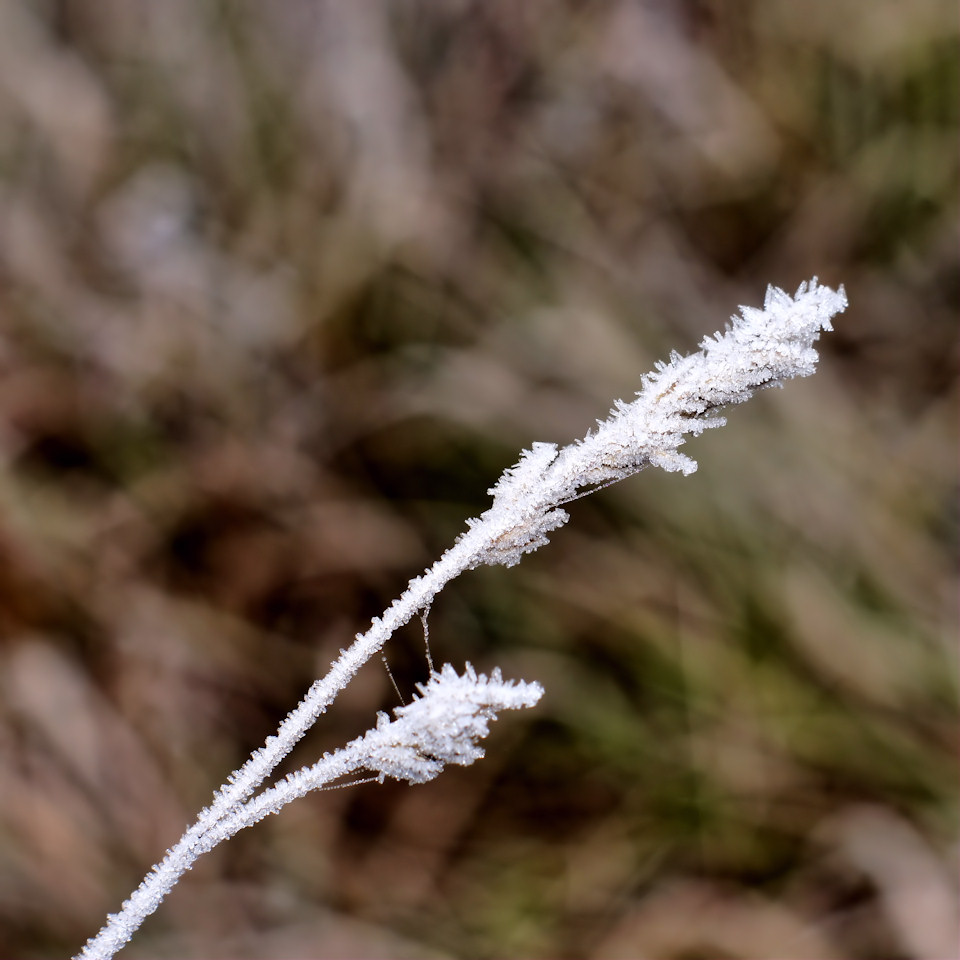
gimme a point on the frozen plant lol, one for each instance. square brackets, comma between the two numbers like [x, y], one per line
[760, 348]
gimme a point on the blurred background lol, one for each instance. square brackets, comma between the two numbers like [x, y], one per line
[285, 287]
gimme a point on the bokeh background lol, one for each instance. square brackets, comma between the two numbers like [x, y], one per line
[283, 289]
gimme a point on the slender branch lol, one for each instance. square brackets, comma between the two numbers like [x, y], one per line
[760, 348]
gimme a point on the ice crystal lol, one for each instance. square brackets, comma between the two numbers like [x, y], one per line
[760, 348]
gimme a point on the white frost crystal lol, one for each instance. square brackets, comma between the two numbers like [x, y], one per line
[443, 724]
[760, 348]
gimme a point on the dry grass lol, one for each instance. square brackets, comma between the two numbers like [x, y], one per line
[283, 288]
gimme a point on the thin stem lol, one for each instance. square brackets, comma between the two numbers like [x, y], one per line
[760, 348]
[120, 926]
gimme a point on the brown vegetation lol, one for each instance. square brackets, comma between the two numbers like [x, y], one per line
[284, 287]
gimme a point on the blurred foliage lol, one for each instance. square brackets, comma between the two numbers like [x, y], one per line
[284, 287]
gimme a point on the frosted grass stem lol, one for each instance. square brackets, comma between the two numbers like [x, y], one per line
[759, 348]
